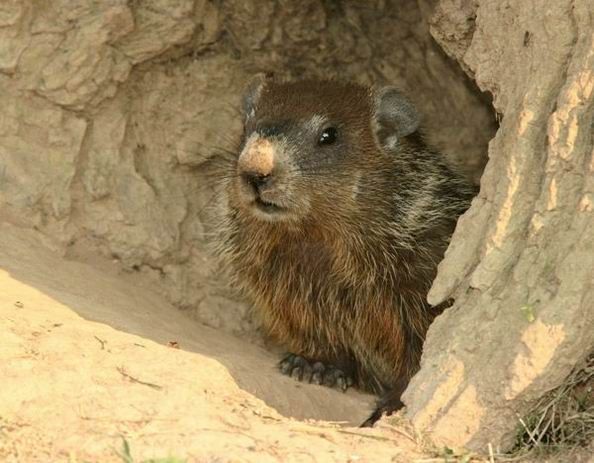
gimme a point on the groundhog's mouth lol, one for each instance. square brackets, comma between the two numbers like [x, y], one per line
[268, 207]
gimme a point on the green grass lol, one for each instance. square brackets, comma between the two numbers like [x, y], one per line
[126, 456]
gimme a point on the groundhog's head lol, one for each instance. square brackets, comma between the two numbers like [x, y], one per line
[315, 146]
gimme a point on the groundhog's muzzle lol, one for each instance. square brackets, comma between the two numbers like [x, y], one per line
[259, 170]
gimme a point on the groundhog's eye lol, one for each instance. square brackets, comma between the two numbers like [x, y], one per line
[328, 136]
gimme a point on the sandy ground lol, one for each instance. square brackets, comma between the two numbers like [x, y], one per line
[86, 361]
[91, 357]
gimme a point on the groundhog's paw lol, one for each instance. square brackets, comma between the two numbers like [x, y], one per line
[302, 369]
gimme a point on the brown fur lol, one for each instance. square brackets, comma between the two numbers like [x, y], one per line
[345, 282]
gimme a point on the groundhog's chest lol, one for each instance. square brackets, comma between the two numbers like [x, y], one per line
[303, 272]
[301, 293]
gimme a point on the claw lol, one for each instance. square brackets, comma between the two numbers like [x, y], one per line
[341, 383]
[301, 369]
[297, 373]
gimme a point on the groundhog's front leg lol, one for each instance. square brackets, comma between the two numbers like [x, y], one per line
[315, 372]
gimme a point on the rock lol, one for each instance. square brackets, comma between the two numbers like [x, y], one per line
[525, 246]
[39, 148]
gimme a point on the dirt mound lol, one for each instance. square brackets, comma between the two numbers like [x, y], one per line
[75, 388]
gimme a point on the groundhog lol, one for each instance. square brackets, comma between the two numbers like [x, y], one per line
[336, 214]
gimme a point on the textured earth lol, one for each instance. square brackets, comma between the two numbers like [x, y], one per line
[90, 356]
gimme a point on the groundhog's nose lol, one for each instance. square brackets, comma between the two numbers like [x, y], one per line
[256, 163]
[256, 181]
[256, 160]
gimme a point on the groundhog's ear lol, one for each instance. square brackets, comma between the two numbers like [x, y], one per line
[395, 116]
[253, 90]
